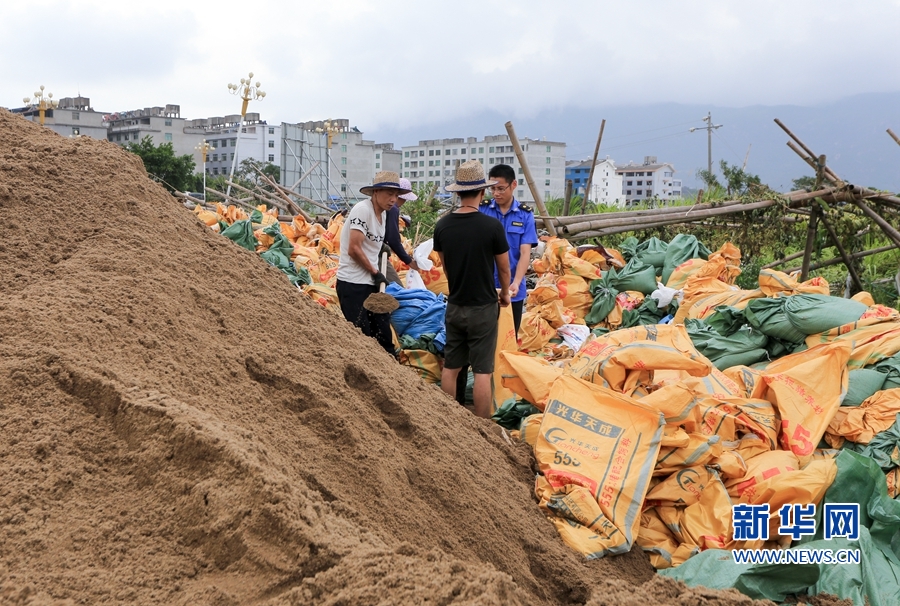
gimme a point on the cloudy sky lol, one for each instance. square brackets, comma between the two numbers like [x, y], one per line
[392, 64]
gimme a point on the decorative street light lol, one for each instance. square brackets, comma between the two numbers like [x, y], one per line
[204, 147]
[41, 103]
[247, 91]
[331, 128]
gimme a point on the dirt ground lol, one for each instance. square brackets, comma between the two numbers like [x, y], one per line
[179, 425]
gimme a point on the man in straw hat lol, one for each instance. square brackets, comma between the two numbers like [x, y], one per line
[358, 274]
[470, 245]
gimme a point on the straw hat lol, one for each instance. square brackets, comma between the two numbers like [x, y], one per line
[405, 184]
[470, 177]
[386, 179]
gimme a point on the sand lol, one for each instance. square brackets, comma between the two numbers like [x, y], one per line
[179, 425]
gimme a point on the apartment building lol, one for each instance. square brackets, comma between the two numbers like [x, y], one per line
[161, 124]
[336, 174]
[649, 180]
[436, 160]
[73, 117]
[228, 136]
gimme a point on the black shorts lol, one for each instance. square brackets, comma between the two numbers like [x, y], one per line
[471, 336]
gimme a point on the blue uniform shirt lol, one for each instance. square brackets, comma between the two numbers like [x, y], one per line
[518, 224]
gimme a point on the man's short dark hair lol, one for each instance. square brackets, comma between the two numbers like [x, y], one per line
[465, 195]
[503, 171]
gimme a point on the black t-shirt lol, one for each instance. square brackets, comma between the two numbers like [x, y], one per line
[469, 242]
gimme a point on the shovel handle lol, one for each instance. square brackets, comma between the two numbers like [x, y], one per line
[382, 267]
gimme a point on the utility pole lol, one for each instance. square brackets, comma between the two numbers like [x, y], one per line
[709, 128]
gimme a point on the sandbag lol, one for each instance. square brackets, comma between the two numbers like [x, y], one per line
[680, 249]
[744, 347]
[862, 383]
[812, 314]
[769, 317]
[635, 276]
[652, 252]
[241, 233]
[604, 294]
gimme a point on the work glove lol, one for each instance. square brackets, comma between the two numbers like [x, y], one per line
[379, 279]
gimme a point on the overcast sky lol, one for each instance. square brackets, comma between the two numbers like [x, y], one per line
[401, 64]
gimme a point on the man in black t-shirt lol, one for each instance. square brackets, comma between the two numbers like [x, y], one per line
[470, 244]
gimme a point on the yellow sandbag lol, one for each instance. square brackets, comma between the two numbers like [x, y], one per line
[679, 276]
[206, 216]
[506, 342]
[683, 488]
[863, 297]
[732, 257]
[773, 282]
[873, 339]
[426, 364]
[760, 468]
[701, 449]
[528, 377]
[534, 332]
[330, 241]
[704, 291]
[436, 281]
[575, 295]
[706, 523]
[806, 389]
[324, 296]
[328, 266]
[308, 257]
[860, 423]
[595, 450]
[544, 300]
[893, 482]
[657, 540]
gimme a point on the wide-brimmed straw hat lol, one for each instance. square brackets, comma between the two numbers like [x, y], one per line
[386, 179]
[407, 185]
[470, 177]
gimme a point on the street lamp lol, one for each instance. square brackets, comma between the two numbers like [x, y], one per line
[41, 103]
[331, 128]
[203, 147]
[247, 91]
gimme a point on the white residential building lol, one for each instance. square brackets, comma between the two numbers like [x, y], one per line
[435, 161]
[606, 187]
[162, 124]
[337, 174]
[259, 141]
[649, 180]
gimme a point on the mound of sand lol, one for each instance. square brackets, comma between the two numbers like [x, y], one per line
[181, 426]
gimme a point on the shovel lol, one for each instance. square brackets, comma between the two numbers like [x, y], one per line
[380, 302]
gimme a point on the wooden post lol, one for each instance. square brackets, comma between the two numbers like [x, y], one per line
[810, 242]
[837, 244]
[587, 188]
[548, 224]
[893, 136]
[886, 227]
[568, 200]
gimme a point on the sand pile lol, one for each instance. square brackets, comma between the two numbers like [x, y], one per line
[178, 425]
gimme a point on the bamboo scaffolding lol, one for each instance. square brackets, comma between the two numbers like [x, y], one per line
[528, 179]
[590, 179]
[893, 136]
[839, 260]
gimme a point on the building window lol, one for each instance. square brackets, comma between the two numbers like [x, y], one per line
[231, 158]
[447, 162]
[640, 192]
[548, 171]
[168, 123]
[344, 173]
[343, 187]
[234, 142]
[473, 150]
[640, 182]
[343, 160]
[272, 143]
[446, 152]
[548, 149]
[76, 115]
[406, 154]
[406, 174]
[378, 156]
[520, 193]
[378, 165]
[547, 183]
[216, 171]
[344, 148]
[406, 165]
[548, 160]
[430, 152]
[546, 194]
[421, 162]
[480, 150]
[629, 183]
[215, 157]
[343, 135]
[649, 182]
[627, 192]
[271, 130]
[76, 130]
[119, 137]
[134, 136]
[629, 174]
[271, 157]
[520, 170]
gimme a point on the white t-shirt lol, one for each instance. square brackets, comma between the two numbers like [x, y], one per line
[362, 217]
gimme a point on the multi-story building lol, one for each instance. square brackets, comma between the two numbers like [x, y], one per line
[606, 186]
[435, 161]
[337, 173]
[161, 124]
[577, 171]
[258, 141]
[649, 180]
[72, 118]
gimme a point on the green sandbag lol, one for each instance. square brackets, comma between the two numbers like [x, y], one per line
[863, 383]
[726, 319]
[241, 233]
[256, 216]
[768, 316]
[682, 248]
[812, 314]
[884, 448]
[604, 299]
[743, 348]
[653, 252]
[891, 368]
[628, 248]
[636, 275]
[511, 413]
[647, 312]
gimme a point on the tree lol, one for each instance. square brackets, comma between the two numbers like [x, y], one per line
[175, 173]
[805, 182]
[737, 181]
[246, 172]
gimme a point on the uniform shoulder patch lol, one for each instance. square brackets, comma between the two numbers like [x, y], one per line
[485, 202]
[526, 208]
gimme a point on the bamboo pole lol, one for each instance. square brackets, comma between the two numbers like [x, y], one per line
[305, 175]
[548, 225]
[811, 229]
[893, 136]
[277, 189]
[839, 260]
[568, 201]
[231, 199]
[590, 180]
[784, 260]
[304, 198]
[886, 227]
[829, 173]
[260, 196]
[837, 243]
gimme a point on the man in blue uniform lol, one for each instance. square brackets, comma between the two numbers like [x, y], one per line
[518, 223]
